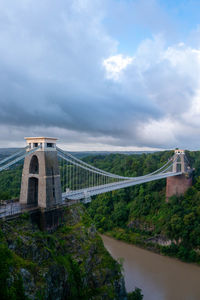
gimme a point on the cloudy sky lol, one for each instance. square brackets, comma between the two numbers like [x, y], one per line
[101, 74]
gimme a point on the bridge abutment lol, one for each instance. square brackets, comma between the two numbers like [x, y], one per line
[177, 185]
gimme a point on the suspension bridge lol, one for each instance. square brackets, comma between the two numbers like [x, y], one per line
[53, 177]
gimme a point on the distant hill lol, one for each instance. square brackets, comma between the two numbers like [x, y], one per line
[80, 154]
[7, 151]
[4, 152]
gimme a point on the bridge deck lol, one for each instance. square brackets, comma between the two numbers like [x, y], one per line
[92, 191]
[16, 208]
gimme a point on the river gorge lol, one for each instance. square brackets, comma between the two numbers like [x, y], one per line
[159, 277]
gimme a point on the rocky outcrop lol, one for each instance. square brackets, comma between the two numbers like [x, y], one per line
[141, 225]
[70, 263]
[160, 240]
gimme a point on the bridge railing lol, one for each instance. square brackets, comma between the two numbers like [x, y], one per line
[14, 208]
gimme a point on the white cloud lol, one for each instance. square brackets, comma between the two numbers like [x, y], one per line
[115, 64]
[192, 116]
[159, 132]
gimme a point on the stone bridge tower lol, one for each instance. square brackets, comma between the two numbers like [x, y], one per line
[178, 185]
[41, 184]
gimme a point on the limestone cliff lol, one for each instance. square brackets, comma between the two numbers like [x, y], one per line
[69, 263]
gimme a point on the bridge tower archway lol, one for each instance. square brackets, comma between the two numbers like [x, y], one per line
[32, 197]
[41, 184]
[34, 165]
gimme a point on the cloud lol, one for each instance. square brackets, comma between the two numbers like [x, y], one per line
[115, 64]
[166, 78]
[61, 74]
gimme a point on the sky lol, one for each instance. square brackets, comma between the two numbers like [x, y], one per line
[101, 74]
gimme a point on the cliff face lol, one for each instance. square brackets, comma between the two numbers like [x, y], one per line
[70, 263]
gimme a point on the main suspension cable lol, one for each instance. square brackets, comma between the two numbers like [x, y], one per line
[86, 166]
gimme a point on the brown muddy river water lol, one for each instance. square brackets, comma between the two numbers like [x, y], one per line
[159, 277]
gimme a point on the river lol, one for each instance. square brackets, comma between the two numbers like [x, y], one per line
[159, 277]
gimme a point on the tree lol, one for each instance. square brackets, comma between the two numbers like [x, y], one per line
[135, 295]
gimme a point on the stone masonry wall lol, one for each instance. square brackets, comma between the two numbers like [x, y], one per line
[177, 185]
